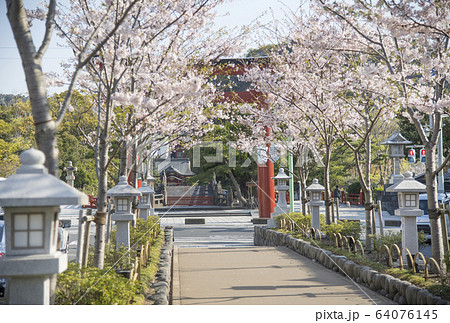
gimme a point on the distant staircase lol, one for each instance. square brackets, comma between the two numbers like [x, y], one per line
[190, 195]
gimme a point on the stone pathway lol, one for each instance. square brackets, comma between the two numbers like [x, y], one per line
[261, 276]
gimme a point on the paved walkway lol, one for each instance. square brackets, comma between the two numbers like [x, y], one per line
[261, 276]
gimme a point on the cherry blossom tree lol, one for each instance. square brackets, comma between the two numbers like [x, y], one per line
[150, 79]
[408, 40]
[320, 90]
[299, 83]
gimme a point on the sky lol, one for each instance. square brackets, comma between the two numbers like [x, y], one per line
[12, 79]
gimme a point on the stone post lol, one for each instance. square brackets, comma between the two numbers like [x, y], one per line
[282, 207]
[315, 191]
[70, 178]
[123, 197]
[408, 190]
[396, 144]
[145, 201]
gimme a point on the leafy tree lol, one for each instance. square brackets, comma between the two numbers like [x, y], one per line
[236, 168]
[16, 135]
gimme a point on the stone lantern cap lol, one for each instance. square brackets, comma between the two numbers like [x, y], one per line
[315, 186]
[33, 186]
[123, 189]
[397, 139]
[145, 189]
[281, 175]
[407, 184]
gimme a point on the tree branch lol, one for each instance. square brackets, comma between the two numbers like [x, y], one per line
[49, 23]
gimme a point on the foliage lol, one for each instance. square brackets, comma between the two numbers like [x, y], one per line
[120, 258]
[296, 217]
[76, 140]
[299, 219]
[244, 168]
[447, 260]
[140, 234]
[302, 220]
[345, 228]
[91, 286]
[10, 99]
[375, 190]
[16, 135]
[391, 238]
[388, 239]
[354, 188]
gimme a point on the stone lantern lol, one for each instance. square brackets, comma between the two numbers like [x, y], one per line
[31, 200]
[123, 195]
[70, 178]
[145, 201]
[408, 190]
[315, 202]
[151, 181]
[281, 186]
[396, 144]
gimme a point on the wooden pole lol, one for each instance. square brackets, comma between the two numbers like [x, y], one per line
[444, 233]
[337, 210]
[80, 240]
[372, 217]
[332, 213]
[380, 218]
[86, 236]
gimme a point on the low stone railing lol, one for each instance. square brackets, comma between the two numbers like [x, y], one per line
[163, 279]
[399, 291]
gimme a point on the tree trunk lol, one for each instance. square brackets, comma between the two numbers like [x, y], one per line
[437, 246]
[326, 184]
[368, 200]
[45, 126]
[237, 188]
[100, 237]
[303, 175]
[123, 159]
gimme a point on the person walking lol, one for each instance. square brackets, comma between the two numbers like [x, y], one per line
[337, 193]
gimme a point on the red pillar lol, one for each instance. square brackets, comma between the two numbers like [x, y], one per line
[266, 189]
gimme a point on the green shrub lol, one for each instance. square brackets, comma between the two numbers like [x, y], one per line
[121, 258]
[375, 190]
[345, 228]
[92, 286]
[140, 234]
[447, 260]
[354, 188]
[303, 220]
[279, 218]
[297, 217]
[391, 238]
[388, 239]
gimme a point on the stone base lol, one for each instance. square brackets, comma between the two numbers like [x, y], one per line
[194, 221]
[34, 290]
[259, 221]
